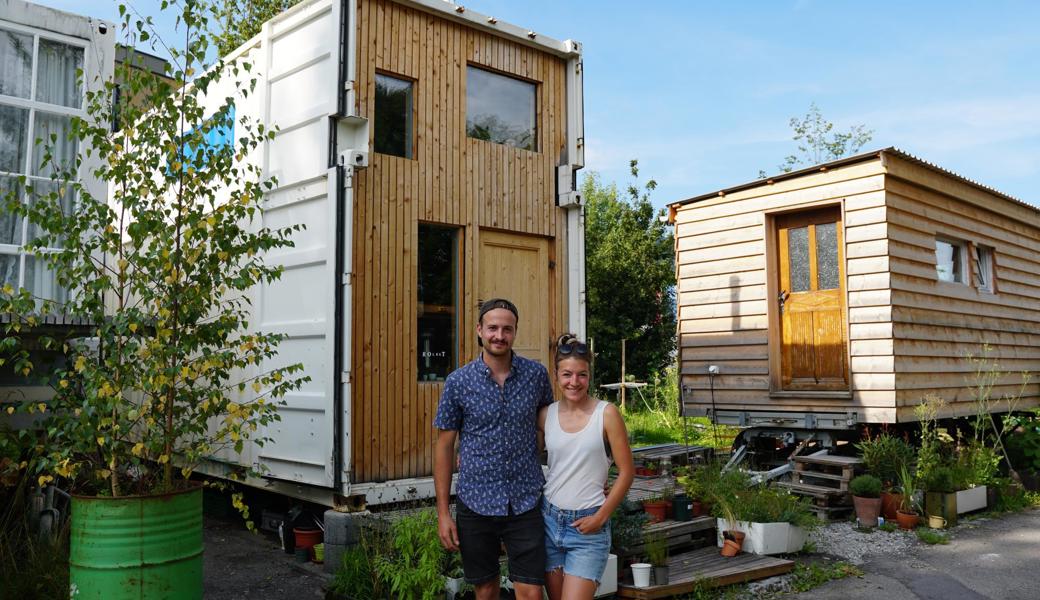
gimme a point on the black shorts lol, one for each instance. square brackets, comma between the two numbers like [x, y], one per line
[480, 538]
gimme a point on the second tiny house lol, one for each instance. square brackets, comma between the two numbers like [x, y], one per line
[846, 293]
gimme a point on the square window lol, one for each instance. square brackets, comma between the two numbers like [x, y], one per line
[500, 109]
[949, 261]
[57, 77]
[438, 302]
[982, 261]
[394, 110]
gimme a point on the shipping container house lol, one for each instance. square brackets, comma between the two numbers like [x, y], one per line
[846, 293]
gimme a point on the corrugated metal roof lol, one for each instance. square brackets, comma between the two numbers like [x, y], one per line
[842, 162]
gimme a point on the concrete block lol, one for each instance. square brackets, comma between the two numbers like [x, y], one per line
[344, 529]
[333, 556]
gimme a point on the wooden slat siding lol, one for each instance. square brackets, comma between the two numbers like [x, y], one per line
[452, 180]
[723, 288]
[937, 324]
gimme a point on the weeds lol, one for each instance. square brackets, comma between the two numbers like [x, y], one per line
[889, 527]
[932, 537]
[808, 576]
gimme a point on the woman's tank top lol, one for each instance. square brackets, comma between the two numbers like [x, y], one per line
[578, 462]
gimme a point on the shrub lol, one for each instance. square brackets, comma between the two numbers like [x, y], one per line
[940, 479]
[414, 569]
[656, 550]
[760, 504]
[884, 454]
[865, 486]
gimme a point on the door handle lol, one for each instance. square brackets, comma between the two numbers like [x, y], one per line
[781, 298]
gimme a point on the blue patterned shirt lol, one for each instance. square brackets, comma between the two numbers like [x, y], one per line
[498, 434]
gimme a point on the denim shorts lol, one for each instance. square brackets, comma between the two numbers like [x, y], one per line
[580, 555]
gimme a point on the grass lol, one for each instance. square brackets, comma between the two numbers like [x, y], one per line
[807, 576]
[29, 567]
[931, 536]
[889, 527]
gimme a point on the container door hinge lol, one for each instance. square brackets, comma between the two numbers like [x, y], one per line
[348, 278]
[344, 377]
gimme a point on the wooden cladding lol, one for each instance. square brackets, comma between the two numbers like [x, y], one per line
[450, 180]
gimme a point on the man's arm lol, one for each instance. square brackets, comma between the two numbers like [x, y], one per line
[443, 459]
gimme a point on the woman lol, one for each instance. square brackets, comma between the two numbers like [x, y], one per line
[581, 436]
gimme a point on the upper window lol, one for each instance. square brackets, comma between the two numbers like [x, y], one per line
[982, 263]
[40, 93]
[394, 110]
[949, 260]
[438, 302]
[500, 109]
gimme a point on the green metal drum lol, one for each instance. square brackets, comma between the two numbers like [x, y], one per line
[137, 547]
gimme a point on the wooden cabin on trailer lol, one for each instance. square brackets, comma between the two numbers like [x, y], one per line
[431, 152]
[843, 294]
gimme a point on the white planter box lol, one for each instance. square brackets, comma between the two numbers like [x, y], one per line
[973, 499]
[608, 584]
[767, 538]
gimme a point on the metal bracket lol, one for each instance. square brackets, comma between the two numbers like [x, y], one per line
[344, 377]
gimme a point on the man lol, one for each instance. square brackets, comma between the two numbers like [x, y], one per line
[491, 406]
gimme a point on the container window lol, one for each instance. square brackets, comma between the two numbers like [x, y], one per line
[827, 256]
[949, 260]
[798, 253]
[394, 116]
[500, 109]
[982, 258]
[438, 302]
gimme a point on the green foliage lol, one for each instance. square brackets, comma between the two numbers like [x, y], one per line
[656, 548]
[243, 20]
[760, 504]
[30, 566]
[908, 489]
[626, 530]
[931, 536]
[630, 278]
[818, 143]
[807, 576]
[888, 527]
[161, 264]
[357, 577]
[1023, 440]
[865, 486]
[884, 454]
[940, 479]
[1011, 497]
[414, 569]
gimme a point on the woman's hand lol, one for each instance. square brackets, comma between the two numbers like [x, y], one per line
[590, 524]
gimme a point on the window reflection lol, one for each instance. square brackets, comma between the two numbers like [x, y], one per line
[438, 302]
[500, 109]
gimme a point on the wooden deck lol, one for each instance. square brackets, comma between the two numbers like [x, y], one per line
[706, 567]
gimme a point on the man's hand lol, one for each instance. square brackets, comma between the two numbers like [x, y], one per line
[448, 533]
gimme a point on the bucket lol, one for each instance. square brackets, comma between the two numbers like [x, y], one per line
[137, 547]
[307, 537]
[683, 508]
[319, 553]
[641, 574]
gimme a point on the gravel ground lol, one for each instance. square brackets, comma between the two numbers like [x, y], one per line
[843, 540]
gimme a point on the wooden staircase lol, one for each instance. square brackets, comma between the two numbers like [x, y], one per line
[824, 478]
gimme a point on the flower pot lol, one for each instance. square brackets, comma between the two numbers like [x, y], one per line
[682, 508]
[697, 509]
[669, 509]
[661, 575]
[971, 499]
[732, 543]
[641, 574]
[941, 504]
[890, 502]
[867, 510]
[137, 547]
[766, 538]
[907, 520]
[657, 510]
[307, 537]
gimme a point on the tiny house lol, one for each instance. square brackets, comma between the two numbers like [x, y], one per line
[843, 294]
[431, 153]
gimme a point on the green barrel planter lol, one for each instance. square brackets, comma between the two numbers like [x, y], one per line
[137, 547]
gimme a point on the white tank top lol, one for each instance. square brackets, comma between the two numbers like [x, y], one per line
[578, 461]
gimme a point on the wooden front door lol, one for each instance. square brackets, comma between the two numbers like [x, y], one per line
[516, 267]
[812, 301]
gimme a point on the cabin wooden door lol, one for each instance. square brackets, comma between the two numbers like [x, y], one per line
[812, 301]
[516, 267]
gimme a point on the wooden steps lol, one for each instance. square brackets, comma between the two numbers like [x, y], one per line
[679, 534]
[705, 567]
[824, 478]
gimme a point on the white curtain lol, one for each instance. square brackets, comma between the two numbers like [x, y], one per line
[15, 63]
[14, 126]
[63, 150]
[56, 80]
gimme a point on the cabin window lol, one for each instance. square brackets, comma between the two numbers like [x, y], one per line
[438, 302]
[394, 116]
[949, 260]
[982, 261]
[40, 93]
[500, 109]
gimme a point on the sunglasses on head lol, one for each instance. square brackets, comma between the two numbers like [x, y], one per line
[572, 348]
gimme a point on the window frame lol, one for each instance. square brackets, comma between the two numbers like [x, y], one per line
[457, 259]
[536, 85]
[33, 107]
[981, 255]
[412, 133]
[960, 247]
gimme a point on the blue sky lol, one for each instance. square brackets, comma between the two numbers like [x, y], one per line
[702, 92]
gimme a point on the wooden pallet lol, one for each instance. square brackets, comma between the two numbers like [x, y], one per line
[678, 454]
[704, 567]
[824, 479]
[678, 534]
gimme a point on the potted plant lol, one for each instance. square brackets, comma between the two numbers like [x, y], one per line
[774, 521]
[883, 455]
[866, 497]
[656, 507]
[732, 538]
[657, 555]
[976, 467]
[160, 262]
[907, 515]
[940, 497]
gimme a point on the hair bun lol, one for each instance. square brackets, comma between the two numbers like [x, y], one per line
[567, 338]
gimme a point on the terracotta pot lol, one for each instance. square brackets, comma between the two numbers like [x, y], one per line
[732, 542]
[867, 510]
[907, 520]
[656, 510]
[697, 509]
[890, 502]
[669, 509]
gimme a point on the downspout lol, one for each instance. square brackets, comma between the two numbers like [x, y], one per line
[568, 197]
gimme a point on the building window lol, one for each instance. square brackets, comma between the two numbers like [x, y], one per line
[983, 271]
[394, 116]
[949, 261]
[40, 93]
[438, 302]
[500, 109]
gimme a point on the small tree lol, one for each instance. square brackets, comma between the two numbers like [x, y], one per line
[242, 20]
[161, 270]
[818, 143]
